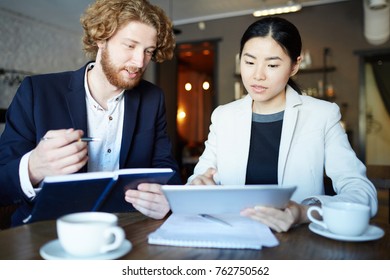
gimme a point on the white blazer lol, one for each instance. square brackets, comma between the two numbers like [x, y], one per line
[312, 141]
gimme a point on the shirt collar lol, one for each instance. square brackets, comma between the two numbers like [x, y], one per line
[90, 100]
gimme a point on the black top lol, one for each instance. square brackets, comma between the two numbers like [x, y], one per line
[264, 149]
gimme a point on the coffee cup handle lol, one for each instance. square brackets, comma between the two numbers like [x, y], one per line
[118, 235]
[314, 220]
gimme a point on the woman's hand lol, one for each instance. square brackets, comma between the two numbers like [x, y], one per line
[206, 178]
[279, 220]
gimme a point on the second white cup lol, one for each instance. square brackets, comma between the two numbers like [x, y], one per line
[342, 218]
[89, 233]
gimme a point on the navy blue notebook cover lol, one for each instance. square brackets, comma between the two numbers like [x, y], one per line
[93, 191]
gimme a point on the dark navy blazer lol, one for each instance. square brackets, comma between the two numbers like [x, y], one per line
[57, 101]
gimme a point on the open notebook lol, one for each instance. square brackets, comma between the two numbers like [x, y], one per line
[219, 231]
[93, 191]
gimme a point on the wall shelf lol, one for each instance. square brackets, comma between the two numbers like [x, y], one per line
[316, 70]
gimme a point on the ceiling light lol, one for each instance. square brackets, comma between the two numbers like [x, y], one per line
[188, 86]
[206, 85]
[290, 7]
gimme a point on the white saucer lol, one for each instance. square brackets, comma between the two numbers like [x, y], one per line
[54, 251]
[372, 233]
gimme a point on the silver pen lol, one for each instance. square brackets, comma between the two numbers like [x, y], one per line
[82, 139]
[90, 139]
[215, 219]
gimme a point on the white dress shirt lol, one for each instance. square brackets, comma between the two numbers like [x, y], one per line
[106, 125]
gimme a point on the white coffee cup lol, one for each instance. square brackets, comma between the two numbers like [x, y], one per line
[89, 233]
[342, 218]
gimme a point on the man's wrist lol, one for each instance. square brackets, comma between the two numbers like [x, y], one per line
[24, 177]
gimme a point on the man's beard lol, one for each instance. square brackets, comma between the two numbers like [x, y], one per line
[113, 73]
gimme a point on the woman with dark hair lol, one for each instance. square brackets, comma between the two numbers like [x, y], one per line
[275, 135]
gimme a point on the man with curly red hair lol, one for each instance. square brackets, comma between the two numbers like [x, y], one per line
[107, 99]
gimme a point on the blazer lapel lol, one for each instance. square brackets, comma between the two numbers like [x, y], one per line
[289, 123]
[76, 101]
[243, 135]
[132, 101]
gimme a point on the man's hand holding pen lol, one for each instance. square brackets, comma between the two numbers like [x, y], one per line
[59, 152]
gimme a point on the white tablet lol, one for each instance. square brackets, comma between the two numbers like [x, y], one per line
[221, 199]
